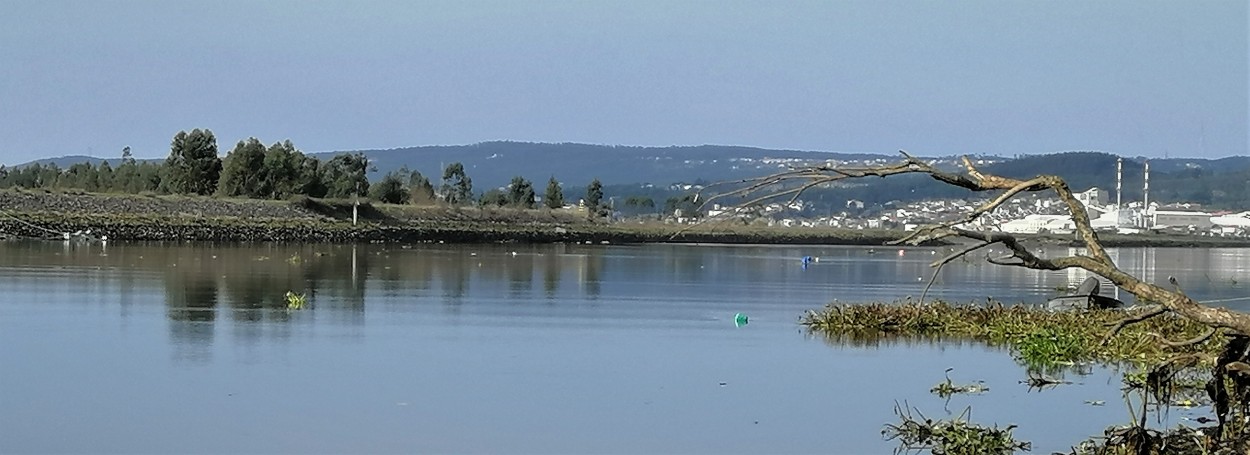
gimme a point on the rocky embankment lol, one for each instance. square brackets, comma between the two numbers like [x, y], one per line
[52, 215]
[84, 203]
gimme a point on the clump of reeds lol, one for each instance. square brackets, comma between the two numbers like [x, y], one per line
[956, 436]
[1036, 336]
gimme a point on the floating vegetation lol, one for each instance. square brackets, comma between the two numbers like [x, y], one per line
[956, 436]
[947, 388]
[1182, 440]
[295, 301]
[1037, 337]
[1039, 381]
[1048, 346]
[294, 259]
[1209, 371]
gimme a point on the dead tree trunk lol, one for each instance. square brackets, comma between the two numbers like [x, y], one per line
[794, 182]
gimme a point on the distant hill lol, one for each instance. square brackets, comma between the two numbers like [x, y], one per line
[492, 164]
[649, 171]
[70, 160]
[1222, 183]
[1222, 165]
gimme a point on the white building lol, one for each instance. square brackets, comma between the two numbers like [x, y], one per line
[1176, 218]
[1232, 223]
[1115, 217]
[1033, 224]
[1093, 197]
[1232, 220]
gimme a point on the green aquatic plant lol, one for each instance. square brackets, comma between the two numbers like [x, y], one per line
[294, 259]
[1037, 336]
[947, 388]
[955, 436]
[1048, 346]
[295, 301]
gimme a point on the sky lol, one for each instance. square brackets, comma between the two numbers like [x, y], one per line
[1131, 77]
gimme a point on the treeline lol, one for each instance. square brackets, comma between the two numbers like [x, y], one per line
[193, 166]
[280, 171]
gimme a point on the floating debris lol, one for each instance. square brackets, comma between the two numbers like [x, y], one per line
[1039, 381]
[740, 320]
[954, 436]
[295, 301]
[947, 388]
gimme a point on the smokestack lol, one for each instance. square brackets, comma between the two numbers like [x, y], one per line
[1119, 178]
[1146, 193]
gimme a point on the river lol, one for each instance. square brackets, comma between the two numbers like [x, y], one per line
[190, 348]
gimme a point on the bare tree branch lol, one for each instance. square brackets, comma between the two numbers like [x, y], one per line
[937, 265]
[1151, 311]
[1190, 342]
[1095, 258]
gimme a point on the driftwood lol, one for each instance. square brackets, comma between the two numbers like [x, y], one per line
[793, 183]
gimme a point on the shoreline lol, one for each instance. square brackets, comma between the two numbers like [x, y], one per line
[48, 215]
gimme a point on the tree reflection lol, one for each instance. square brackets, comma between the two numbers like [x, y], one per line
[454, 280]
[592, 265]
[191, 306]
[520, 275]
[551, 272]
[251, 283]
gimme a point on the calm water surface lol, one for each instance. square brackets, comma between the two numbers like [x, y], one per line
[509, 349]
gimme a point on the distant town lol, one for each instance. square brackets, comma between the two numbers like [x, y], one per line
[1026, 214]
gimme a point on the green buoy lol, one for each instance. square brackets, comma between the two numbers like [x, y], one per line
[740, 320]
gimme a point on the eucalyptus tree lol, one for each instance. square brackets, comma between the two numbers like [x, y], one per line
[346, 175]
[243, 172]
[521, 193]
[390, 189]
[420, 190]
[193, 166]
[457, 186]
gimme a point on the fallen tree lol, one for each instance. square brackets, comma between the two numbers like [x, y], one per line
[794, 182]
[1230, 370]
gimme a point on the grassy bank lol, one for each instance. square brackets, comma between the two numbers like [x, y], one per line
[178, 218]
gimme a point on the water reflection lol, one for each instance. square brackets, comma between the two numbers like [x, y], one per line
[551, 272]
[645, 330]
[205, 284]
[591, 266]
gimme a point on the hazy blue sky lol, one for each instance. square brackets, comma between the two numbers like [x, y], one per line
[1130, 77]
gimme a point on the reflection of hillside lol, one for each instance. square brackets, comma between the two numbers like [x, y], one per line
[250, 283]
[237, 290]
